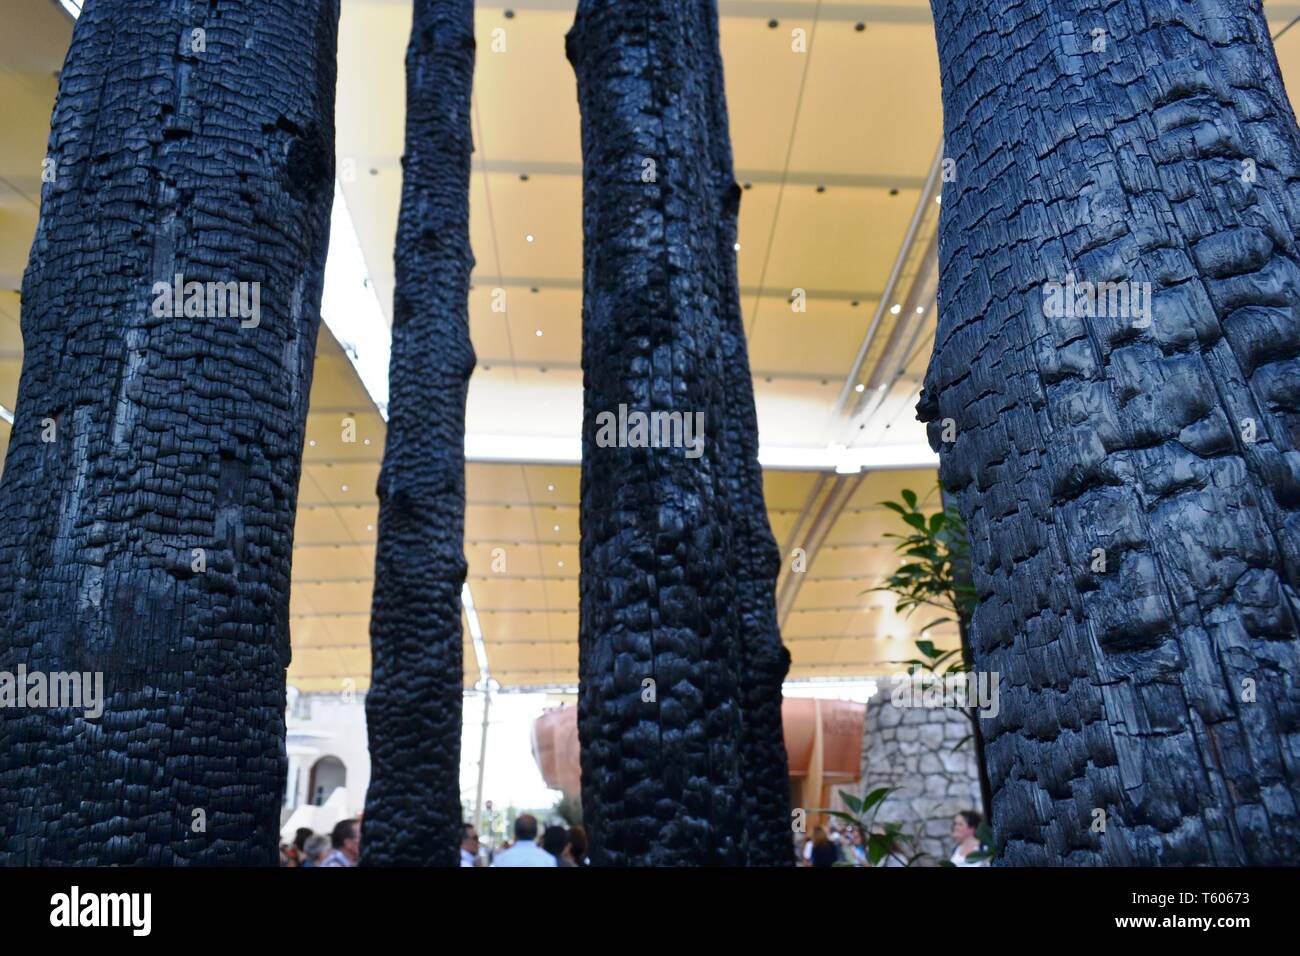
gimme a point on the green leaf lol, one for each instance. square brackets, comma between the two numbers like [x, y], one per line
[936, 522]
[916, 520]
[877, 848]
[910, 497]
[875, 797]
[851, 801]
[927, 648]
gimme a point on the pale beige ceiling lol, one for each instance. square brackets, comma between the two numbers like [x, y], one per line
[858, 113]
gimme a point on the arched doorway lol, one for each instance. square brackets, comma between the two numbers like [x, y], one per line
[327, 775]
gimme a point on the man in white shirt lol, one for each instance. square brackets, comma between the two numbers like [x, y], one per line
[525, 852]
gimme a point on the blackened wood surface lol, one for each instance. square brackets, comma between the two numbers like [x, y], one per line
[171, 433]
[662, 779]
[1161, 690]
[765, 660]
[413, 709]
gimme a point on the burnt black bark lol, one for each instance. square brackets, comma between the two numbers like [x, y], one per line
[1131, 484]
[147, 504]
[660, 713]
[413, 709]
[764, 658]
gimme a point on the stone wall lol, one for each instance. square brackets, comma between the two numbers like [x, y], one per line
[910, 748]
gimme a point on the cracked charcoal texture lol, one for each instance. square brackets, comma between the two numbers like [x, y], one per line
[664, 537]
[171, 433]
[764, 658]
[1123, 690]
[413, 708]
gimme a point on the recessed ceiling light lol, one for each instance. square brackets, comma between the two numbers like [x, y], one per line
[859, 26]
[312, 443]
[370, 527]
[344, 487]
[539, 333]
[737, 247]
[528, 238]
[773, 24]
[556, 528]
[938, 199]
[920, 310]
[560, 563]
[821, 189]
[895, 309]
[882, 387]
[860, 388]
[550, 487]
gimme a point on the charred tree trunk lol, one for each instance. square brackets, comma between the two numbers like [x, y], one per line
[413, 708]
[961, 575]
[764, 658]
[1130, 478]
[660, 714]
[147, 504]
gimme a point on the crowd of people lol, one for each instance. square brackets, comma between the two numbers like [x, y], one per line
[559, 846]
[832, 846]
[567, 846]
[341, 848]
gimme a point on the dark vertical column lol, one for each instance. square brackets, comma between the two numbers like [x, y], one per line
[413, 709]
[660, 716]
[1125, 456]
[147, 505]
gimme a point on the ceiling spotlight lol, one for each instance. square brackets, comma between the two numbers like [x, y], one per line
[312, 443]
[895, 309]
[560, 563]
[737, 247]
[343, 487]
[529, 237]
[860, 388]
[550, 487]
[881, 387]
[539, 333]
[370, 527]
[938, 199]
[556, 528]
